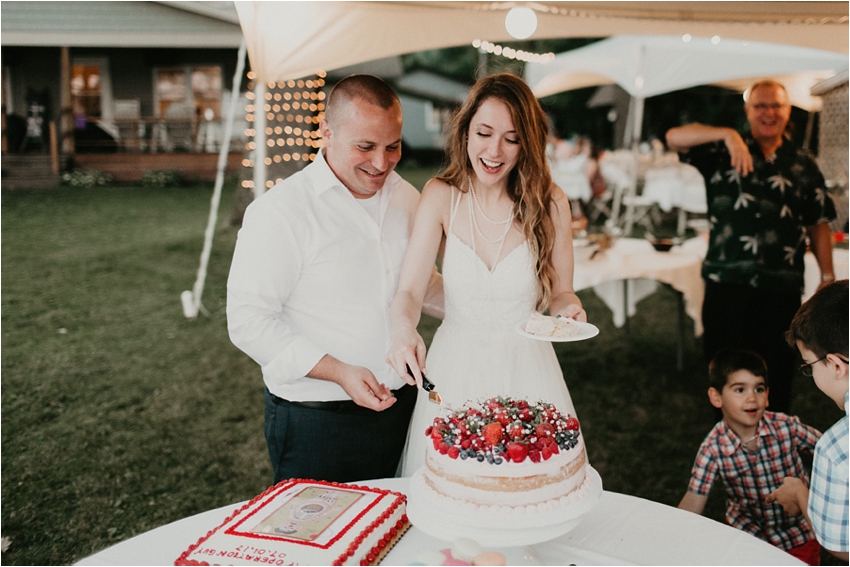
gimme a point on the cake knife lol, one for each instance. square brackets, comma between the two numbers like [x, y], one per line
[428, 386]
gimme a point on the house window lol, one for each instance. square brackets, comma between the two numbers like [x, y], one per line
[85, 93]
[188, 91]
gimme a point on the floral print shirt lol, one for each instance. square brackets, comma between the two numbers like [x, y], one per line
[758, 222]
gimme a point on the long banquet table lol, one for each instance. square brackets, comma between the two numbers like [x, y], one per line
[619, 530]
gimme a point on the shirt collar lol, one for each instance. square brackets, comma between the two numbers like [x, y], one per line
[729, 442]
[787, 146]
[322, 174]
[847, 402]
[324, 178]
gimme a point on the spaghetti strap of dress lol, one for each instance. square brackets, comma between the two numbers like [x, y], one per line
[455, 206]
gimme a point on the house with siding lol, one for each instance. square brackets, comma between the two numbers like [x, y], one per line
[121, 87]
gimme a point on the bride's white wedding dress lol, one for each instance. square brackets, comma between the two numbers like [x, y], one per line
[476, 353]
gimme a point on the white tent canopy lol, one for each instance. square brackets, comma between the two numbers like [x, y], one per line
[289, 40]
[646, 66]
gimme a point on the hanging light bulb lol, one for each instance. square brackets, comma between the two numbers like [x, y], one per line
[521, 22]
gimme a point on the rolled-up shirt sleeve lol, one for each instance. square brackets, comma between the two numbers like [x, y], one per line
[265, 269]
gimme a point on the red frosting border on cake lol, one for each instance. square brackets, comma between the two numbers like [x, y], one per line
[352, 549]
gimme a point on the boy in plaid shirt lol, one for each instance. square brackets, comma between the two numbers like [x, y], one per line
[819, 330]
[752, 450]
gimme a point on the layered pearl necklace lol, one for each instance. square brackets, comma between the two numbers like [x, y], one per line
[474, 222]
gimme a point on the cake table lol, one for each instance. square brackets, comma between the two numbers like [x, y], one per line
[619, 530]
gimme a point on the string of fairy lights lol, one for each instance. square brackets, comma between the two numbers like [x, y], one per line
[511, 53]
[293, 110]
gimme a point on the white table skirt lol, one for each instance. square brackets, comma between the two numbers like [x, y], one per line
[620, 530]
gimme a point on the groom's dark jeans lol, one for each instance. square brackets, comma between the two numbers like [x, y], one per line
[336, 441]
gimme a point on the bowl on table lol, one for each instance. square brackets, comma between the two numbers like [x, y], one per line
[662, 244]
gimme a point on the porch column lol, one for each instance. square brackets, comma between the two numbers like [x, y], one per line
[66, 113]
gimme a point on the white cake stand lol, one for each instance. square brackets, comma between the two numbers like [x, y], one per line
[427, 513]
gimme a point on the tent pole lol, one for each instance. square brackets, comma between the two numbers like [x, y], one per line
[259, 138]
[192, 299]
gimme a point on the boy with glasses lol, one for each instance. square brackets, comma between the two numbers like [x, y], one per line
[819, 330]
[752, 451]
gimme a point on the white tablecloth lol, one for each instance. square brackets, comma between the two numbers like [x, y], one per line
[631, 259]
[679, 186]
[620, 530]
[635, 263]
[811, 275]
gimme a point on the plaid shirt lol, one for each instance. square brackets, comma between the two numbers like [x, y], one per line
[750, 477]
[828, 503]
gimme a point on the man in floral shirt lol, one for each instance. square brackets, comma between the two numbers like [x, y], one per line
[766, 198]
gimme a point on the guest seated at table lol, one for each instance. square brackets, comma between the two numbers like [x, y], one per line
[752, 451]
[820, 331]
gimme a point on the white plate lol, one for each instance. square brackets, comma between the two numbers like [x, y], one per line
[585, 331]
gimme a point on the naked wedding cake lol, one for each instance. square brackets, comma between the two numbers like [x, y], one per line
[305, 522]
[507, 472]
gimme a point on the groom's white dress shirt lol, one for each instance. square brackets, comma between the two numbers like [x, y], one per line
[313, 273]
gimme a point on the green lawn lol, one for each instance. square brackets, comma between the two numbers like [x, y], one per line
[119, 415]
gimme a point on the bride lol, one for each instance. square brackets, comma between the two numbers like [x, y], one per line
[502, 232]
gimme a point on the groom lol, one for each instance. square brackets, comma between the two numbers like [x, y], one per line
[315, 268]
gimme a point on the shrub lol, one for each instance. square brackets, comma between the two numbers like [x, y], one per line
[160, 178]
[86, 178]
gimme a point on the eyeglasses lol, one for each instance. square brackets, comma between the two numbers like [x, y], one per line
[762, 107]
[807, 369]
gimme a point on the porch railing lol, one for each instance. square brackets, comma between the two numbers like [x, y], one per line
[156, 135]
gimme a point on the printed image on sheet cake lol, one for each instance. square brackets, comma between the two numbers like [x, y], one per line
[300, 522]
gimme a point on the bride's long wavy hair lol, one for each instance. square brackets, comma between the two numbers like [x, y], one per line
[529, 183]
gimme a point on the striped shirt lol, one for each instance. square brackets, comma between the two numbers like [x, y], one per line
[750, 476]
[828, 502]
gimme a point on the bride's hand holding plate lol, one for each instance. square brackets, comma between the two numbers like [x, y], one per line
[573, 311]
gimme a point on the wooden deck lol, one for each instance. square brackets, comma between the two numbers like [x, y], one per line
[129, 167]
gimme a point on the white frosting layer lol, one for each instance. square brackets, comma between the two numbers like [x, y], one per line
[433, 512]
[508, 484]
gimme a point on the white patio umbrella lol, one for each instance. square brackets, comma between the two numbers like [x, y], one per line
[646, 66]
